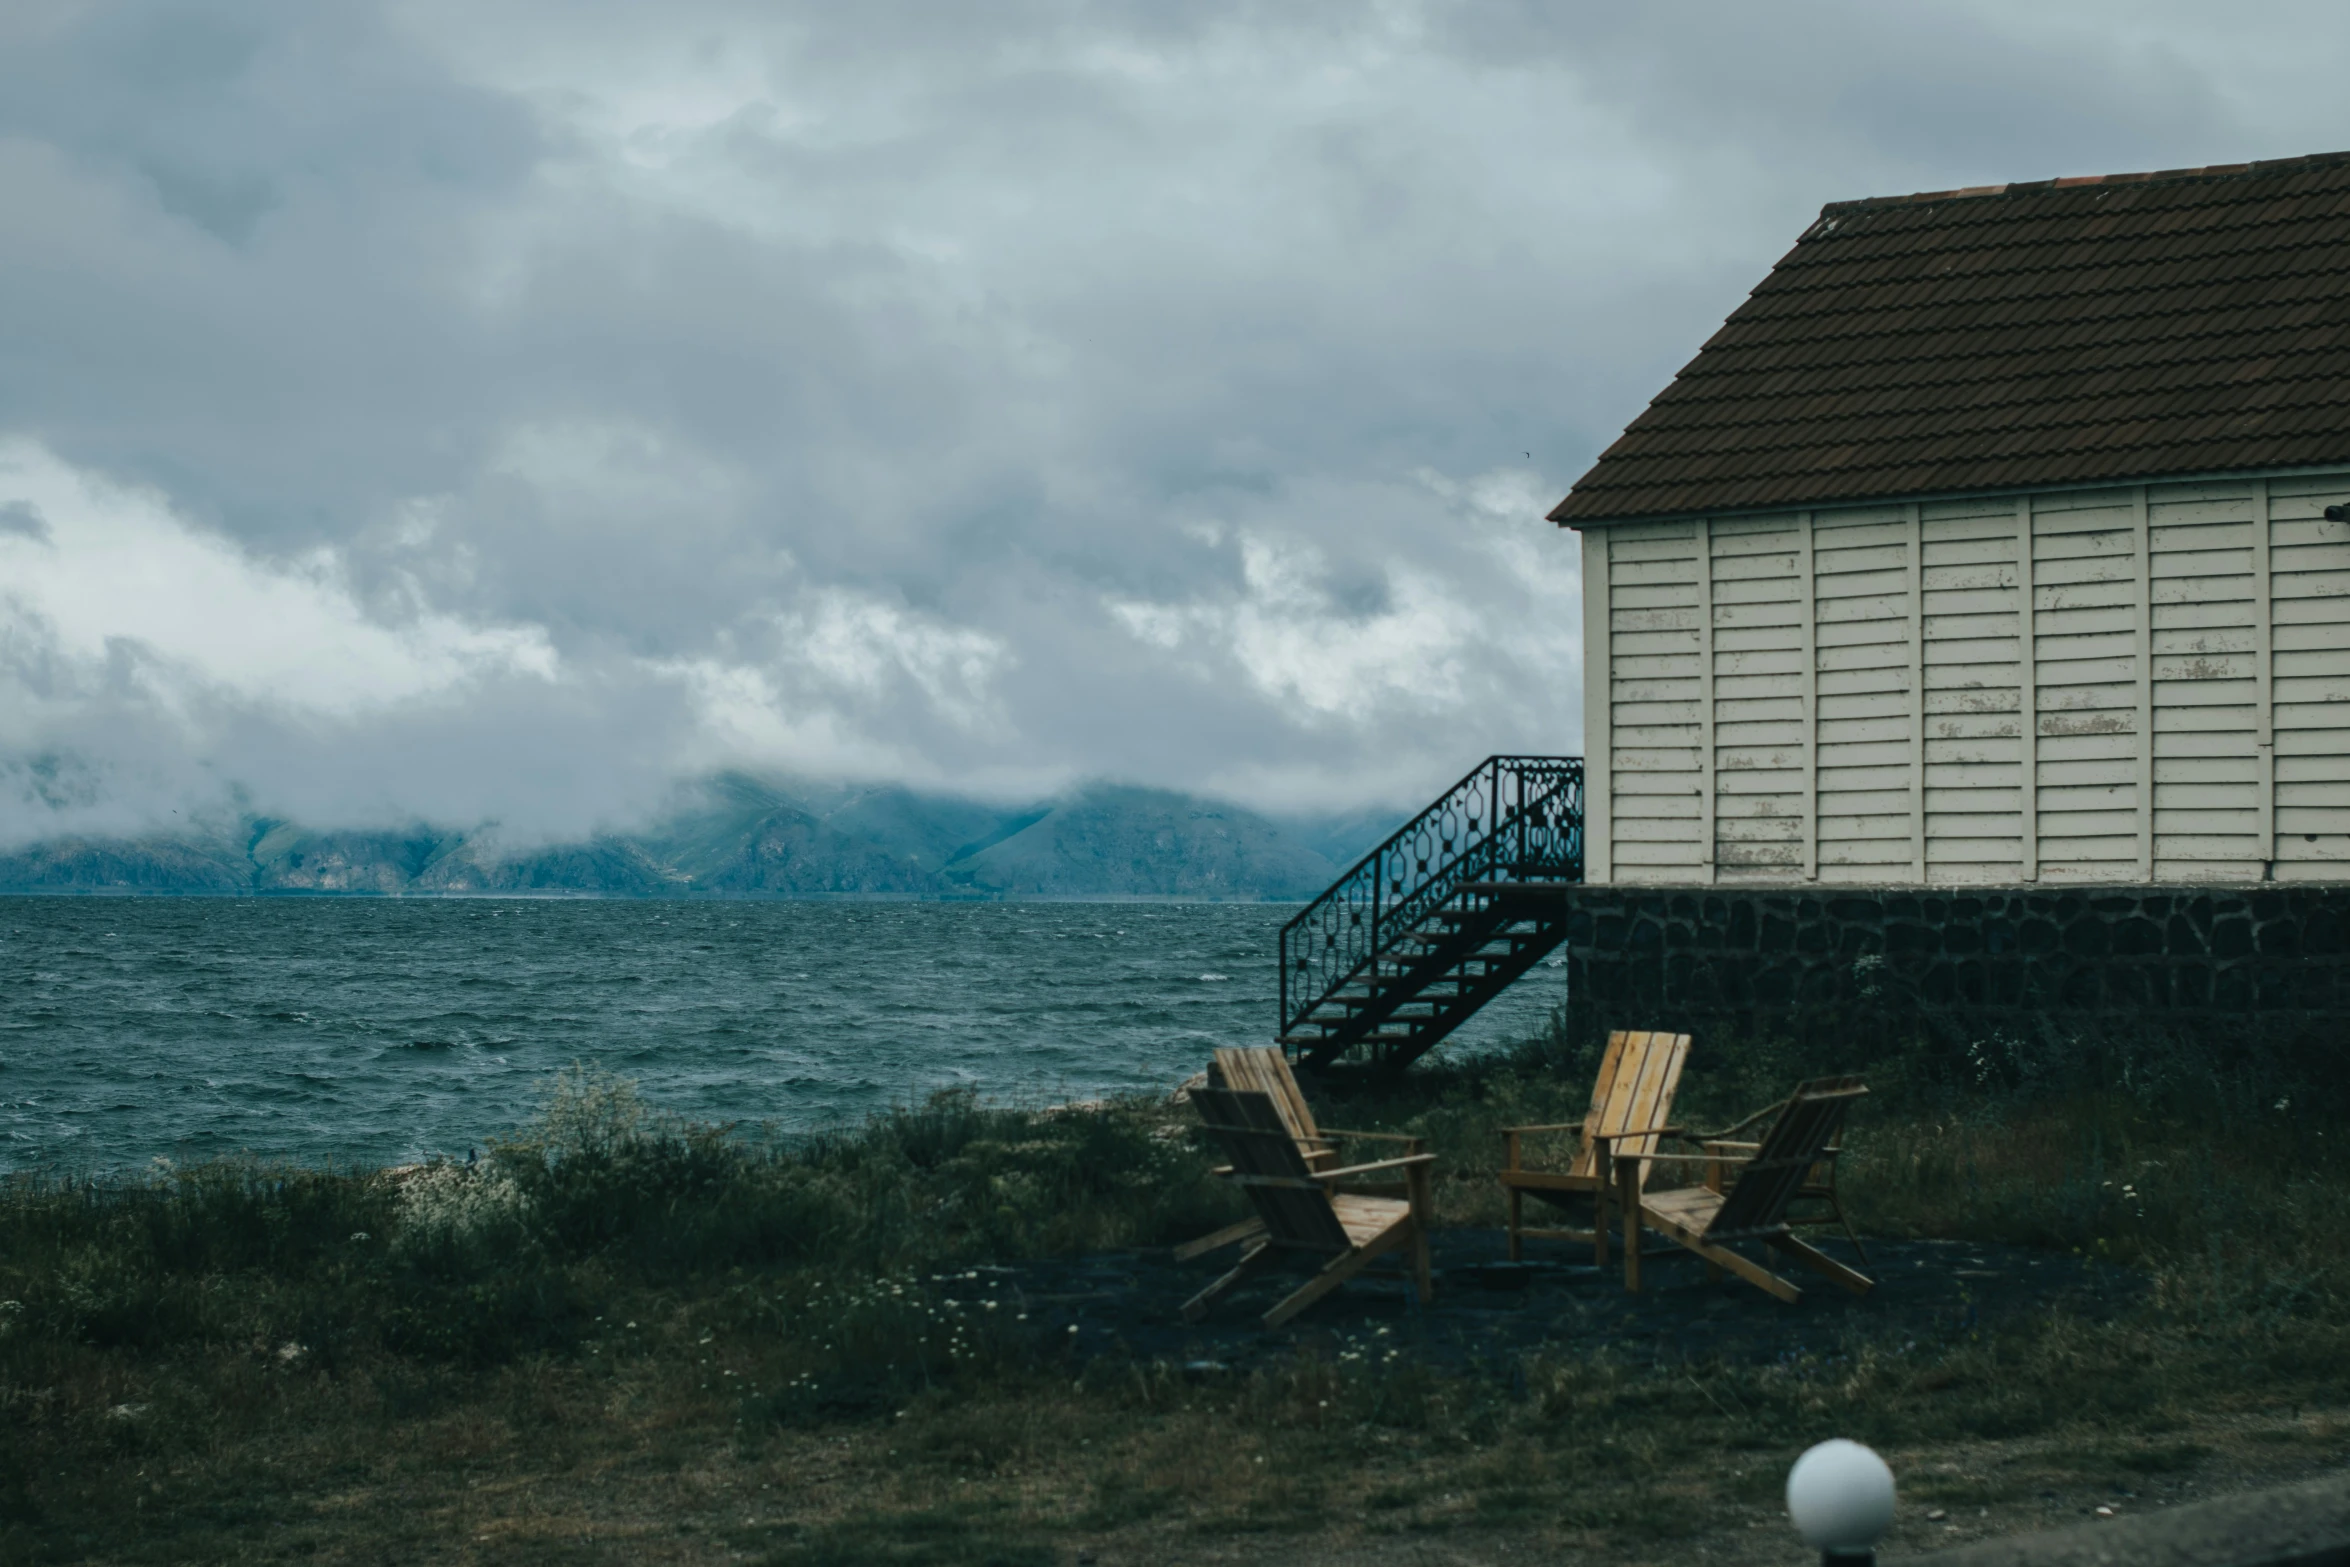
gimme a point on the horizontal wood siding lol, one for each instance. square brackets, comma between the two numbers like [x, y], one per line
[1866, 725]
[2085, 611]
[1974, 691]
[2207, 611]
[1758, 697]
[1655, 782]
[2309, 611]
[2086, 686]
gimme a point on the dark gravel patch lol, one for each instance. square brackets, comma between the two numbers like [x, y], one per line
[1489, 1312]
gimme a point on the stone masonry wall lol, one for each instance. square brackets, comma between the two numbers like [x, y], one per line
[1770, 957]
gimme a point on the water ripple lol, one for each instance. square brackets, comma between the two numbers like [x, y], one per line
[380, 1030]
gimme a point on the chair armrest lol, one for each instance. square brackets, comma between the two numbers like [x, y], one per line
[1749, 1150]
[1562, 1126]
[1605, 1138]
[1668, 1158]
[1331, 1133]
[1714, 1160]
[1383, 1164]
[1736, 1127]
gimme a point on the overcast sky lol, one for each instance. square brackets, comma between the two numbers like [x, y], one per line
[475, 410]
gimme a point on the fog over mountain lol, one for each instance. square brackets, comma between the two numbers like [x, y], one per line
[508, 412]
[738, 836]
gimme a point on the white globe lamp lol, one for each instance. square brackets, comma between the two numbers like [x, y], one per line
[1841, 1497]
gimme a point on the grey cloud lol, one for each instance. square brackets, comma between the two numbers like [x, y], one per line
[24, 519]
[329, 357]
[933, 375]
[1962, 93]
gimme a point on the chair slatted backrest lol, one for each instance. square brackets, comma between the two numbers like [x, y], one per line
[1263, 1069]
[1257, 1143]
[1637, 1078]
[1809, 1122]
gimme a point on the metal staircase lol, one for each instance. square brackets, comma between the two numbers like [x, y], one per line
[1406, 946]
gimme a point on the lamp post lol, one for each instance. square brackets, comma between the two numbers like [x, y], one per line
[1841, 1497]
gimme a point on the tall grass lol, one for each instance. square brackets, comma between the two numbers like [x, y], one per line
[2234, 1203]
[484, 1261]
[609, 1257]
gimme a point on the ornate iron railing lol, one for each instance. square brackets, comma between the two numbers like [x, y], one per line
[1513, 818]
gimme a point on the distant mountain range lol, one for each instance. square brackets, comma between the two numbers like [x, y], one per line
[748, 837]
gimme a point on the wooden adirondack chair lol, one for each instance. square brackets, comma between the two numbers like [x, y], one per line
[1819, 1182]
[1301, 1209]
[1630, 1103]
[1265, 1070]
[1706, 1220]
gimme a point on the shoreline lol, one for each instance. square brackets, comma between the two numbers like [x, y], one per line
[302, 894]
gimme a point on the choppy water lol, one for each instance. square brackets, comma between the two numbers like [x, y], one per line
[375, 1031]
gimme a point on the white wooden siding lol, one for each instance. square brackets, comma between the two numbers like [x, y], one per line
[2309, 611]
[2207, 608]
[1652, 661]
[2098, 685]
[2085, 618]
[1866, 723]
[1598, 729]
[1758, 700]
[1974, 690]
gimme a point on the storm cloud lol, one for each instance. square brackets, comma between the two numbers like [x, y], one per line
[503, 411]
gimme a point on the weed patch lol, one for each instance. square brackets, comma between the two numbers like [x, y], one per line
[615, 1331]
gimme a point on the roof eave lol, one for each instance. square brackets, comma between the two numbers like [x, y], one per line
[1925, 497]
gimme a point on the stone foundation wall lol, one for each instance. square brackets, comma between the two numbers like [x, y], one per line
[1773, 958]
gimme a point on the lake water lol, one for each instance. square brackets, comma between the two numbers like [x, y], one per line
[375, 1031]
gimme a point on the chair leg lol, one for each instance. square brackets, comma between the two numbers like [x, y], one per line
[1339, 1270]
[1423, 1197]
[1197, 1307]
[1517, 1225]
[1630, 1206]
[1229, 1235]
[1753, 1273]
[1820, 1262]
[1850, 1233]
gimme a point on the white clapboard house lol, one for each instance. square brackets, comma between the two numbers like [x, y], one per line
[1998, 538]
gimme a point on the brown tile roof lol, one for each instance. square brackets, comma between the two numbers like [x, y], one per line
[2014, 336]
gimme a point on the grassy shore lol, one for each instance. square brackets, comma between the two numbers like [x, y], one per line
[621, 1337]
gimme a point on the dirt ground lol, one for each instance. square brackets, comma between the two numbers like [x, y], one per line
[565, 1466]
[847, 1495]
[1491, 1311]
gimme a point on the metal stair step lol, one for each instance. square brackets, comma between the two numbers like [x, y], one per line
[1414, 985]
[1425, 994]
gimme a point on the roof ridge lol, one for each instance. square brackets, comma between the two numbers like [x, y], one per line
[2217, 171]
